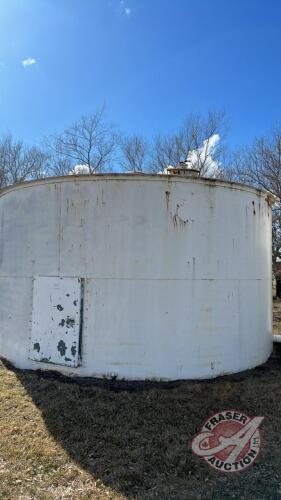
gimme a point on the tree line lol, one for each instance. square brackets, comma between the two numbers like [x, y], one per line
[97, 146]
[93, 145]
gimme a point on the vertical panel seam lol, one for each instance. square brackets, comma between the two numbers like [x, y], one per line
[60, 228]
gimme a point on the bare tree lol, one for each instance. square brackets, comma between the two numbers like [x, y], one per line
[135, 153]
[260, 165]
[19, 163]
[59, 165]
[196, 141]
[90, 141]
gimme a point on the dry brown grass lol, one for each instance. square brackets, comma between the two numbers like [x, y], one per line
[61, 439]
[112, 440]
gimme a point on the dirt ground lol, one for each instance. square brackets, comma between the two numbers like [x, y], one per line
[61, 439]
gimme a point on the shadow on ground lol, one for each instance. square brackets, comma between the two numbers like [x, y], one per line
[135, 436]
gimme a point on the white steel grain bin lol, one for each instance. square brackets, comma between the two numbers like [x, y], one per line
[136, 276]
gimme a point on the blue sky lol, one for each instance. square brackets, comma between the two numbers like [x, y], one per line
[151, 61]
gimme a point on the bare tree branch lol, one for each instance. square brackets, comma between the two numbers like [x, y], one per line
[135, 151]
[19, 163]
[193, 140]
[90, 141]
[260, 165]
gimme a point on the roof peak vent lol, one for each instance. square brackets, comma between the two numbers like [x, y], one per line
[183, 169]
